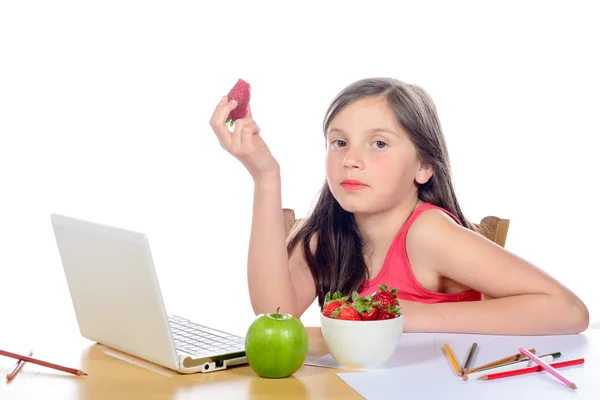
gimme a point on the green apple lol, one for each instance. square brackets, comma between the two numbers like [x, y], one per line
[276, 345]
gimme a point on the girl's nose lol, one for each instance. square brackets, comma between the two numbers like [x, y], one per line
[353, 159]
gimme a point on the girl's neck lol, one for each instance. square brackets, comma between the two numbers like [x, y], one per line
[379, 230]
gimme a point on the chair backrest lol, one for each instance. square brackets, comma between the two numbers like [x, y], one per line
[495, 229]
[289, 220]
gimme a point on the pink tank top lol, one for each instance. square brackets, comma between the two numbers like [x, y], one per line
[396, 271]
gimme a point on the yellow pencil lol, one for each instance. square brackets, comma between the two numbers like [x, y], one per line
[452, 359]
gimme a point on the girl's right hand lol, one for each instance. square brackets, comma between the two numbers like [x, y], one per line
[245, 142]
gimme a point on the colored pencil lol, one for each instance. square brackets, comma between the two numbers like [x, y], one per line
[505, 360]
[42, 363]
[452, 359]
[529, 370]
[469, 357]
[548, 356]
[17, 367]
[548, 368]
[517, 365]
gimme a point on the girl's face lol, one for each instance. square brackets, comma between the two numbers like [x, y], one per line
[371, 163]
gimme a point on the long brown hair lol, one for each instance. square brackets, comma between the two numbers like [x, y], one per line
[338, 262]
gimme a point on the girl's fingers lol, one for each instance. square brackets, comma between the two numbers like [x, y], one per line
[242, 127]
[246, 136]
[218, 118]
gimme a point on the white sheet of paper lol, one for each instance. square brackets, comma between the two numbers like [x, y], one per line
[420, 369]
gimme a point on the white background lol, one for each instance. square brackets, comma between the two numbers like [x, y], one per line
[104, 110]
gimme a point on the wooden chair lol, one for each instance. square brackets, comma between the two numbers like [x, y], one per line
[289, 220]
[493, 228]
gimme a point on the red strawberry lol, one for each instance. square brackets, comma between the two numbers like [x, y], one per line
[346, 312]
[241, 93]
[389, 313]
[366, 307]
[386, 297]
[370, 315]
[333, 302]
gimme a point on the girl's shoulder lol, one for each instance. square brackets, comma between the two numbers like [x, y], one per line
[431, 229]
[431, 214]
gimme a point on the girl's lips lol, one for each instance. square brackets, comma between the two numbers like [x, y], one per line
[353, 185]
[352, 182]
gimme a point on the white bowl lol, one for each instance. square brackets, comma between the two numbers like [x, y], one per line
[361, 345]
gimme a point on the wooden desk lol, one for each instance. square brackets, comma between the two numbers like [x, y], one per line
[115, 375]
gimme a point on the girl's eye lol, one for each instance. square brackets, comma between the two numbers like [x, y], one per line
[380, 144]
[338, 143]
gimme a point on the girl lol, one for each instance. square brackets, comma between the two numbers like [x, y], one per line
[387, 213]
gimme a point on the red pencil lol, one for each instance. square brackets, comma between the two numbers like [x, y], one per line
[42, 363]
[537, 368]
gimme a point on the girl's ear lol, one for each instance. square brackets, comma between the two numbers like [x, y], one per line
[424, 172]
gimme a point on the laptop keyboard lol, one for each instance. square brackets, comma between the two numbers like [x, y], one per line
[201, 341]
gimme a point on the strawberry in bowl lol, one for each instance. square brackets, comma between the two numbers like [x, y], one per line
[347, 321]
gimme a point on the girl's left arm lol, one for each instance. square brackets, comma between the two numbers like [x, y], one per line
[526, 300]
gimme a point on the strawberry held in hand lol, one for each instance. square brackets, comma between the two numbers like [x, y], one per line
[240, 93]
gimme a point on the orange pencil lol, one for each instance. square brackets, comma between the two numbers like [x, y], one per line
[17, 367]
[42, 363]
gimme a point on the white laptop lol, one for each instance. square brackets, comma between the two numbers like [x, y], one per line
[118, 302]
